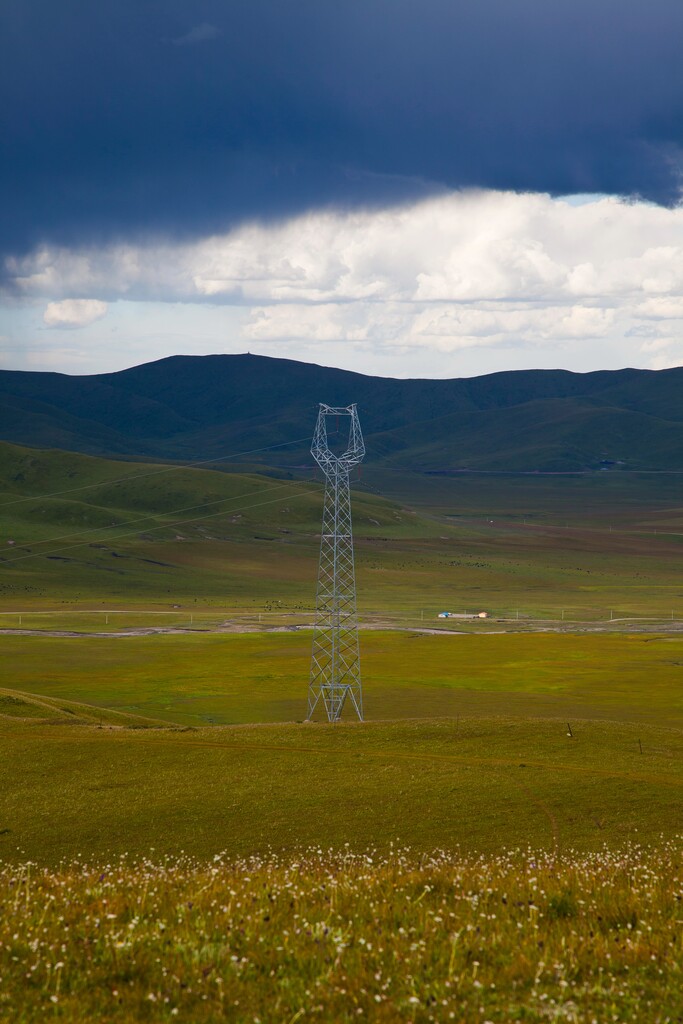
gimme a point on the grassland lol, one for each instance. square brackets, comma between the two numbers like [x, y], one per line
[186, 745]
[495, 768]
[203, 679]
[520, 937]
[92, 534]
[140, 781]
[480, 784]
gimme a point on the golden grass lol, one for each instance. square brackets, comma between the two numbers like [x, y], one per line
[480, 784]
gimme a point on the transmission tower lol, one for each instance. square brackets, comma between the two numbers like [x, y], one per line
[335, 663]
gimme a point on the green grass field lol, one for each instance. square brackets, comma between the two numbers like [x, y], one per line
[95, 534]
[247, 678]
[466, 744]
[474, 706]
[489, 736]
[481, 784]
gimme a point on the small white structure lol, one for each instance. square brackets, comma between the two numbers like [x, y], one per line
[463, 615]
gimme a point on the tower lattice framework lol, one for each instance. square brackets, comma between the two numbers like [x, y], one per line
[335, 662]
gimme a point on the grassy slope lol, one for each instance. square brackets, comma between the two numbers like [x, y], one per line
[21, 707]
[584, 545]
[138, 534]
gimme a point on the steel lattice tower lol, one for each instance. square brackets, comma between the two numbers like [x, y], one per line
[335, 663]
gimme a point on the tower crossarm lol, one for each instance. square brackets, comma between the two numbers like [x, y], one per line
[329, 461]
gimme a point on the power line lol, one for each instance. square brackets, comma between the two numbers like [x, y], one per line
[154, 472]
[139, 476]
[164, 526]
[141, 519]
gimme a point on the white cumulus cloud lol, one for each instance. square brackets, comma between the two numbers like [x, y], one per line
[473, 269]
[71, 313]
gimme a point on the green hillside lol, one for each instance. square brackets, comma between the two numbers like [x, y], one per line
[79, 532]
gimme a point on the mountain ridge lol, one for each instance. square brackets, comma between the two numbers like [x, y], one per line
[194, 407]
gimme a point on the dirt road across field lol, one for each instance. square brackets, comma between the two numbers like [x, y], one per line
[614, 626]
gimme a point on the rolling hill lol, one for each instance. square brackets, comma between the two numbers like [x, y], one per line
[197, 407]
[78, 528]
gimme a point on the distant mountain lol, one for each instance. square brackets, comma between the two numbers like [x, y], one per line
[199, 407]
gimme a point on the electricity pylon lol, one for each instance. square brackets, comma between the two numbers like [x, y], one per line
[335, 663]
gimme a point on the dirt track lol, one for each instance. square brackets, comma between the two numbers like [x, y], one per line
[614, 626]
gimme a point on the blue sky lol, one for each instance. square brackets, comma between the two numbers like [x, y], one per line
[380, 184]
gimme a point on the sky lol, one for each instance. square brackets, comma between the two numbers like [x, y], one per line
[431, 188]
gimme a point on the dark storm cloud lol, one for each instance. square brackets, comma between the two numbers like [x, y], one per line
[198, 34]
[121, 117]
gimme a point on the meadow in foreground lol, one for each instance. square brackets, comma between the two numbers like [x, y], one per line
[327, 936]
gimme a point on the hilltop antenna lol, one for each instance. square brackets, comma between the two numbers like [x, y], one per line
[335, 662]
